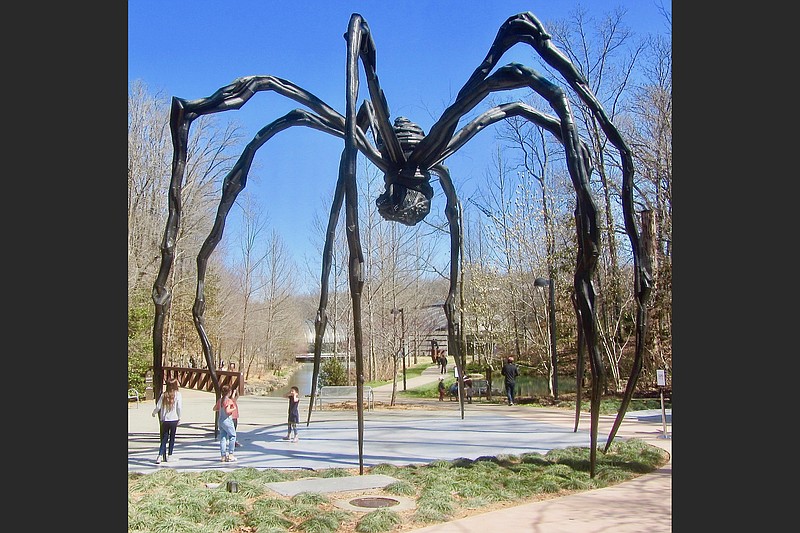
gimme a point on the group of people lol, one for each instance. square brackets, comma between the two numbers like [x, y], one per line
[468, 390]
[169, 405]
[231, 366]
[193, 363]
[439, 357]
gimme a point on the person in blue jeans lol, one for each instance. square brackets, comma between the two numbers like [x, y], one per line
[168, 407]
[226, 408]
[510, 373]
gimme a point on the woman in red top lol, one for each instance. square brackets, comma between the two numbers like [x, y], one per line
[227, 409]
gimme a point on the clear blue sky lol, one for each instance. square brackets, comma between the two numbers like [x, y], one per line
[426, 50]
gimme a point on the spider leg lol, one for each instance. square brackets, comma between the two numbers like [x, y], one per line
[514, 76]
[511, 76]
[235, 181]
[453, 213]
[360, 46]
[358, 38]
[580, 364]
[183, 112]
[526, 28]
[366, 52]
[364, 120]
[553, 125]
[501, 112]
[321, 321]
[237, 93]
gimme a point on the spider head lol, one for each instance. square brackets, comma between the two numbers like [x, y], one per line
[408, 193]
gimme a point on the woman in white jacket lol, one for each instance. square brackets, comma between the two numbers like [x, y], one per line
[168, 408]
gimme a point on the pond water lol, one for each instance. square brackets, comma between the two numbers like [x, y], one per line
[536, 385]
[300, 379]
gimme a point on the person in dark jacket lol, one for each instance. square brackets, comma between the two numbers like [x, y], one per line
[294, 414]
[442, 362]
[510, 373]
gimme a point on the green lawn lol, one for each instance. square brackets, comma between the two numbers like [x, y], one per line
[168, 500]
[181, 501]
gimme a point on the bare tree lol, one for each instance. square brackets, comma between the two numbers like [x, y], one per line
[278, 316]
[339, 308]
[532, 231]
[607, 54]
[250, 264]
[149, 166]
[149, 151]
[517, 215]
[484, 307]
[652, 140]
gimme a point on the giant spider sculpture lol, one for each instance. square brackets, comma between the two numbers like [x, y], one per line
[407, 158]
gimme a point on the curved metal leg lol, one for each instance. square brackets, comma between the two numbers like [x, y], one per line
[182, 114]
[321, 321]
[526, 28]
[347, 173]
[452, 212]
[233, 184]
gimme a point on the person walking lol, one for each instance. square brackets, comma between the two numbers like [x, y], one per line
[468, 389]
[510, 373]
[235, 398]
[294, 414]
[235, 415]
[441, 389]
[168, 407]
[226, 407]
[442, 362]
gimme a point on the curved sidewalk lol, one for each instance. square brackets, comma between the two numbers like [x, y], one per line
[421, 434]
[641, 504]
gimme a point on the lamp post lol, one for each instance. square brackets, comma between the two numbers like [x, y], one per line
[542, 282]
[395, 311]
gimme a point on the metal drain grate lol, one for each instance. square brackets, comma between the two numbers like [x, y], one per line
[374, 502]
[366, 504]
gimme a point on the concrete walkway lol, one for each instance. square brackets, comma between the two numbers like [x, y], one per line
[421, 431]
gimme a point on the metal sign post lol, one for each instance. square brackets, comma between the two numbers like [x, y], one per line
[661, 381]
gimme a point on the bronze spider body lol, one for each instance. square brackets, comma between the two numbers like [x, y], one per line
[407, 158]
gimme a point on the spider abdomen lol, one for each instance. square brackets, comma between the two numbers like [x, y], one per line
[408, 190]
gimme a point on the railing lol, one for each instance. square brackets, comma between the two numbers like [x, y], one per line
[344, 392]
[200, 378]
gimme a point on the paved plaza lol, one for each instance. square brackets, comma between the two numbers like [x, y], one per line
[397, 437]
[420, 431]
